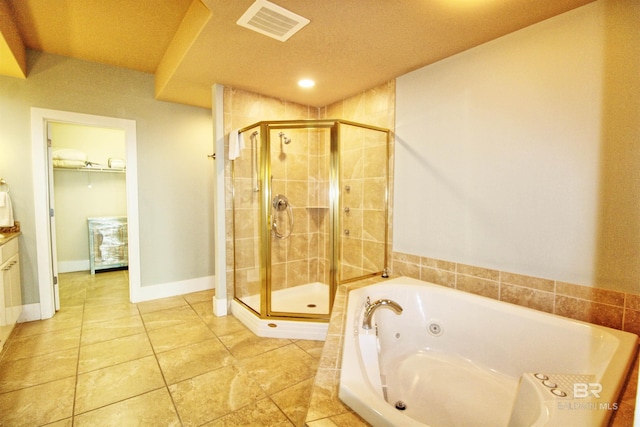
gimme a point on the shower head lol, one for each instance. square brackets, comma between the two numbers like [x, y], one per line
[283, 138]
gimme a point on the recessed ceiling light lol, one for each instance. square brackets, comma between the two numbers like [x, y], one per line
[306, 83]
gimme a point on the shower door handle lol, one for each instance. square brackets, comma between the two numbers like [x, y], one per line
[280, 203]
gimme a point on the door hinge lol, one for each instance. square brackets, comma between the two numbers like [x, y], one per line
[51, 212]
[55, 280]
[49, 143]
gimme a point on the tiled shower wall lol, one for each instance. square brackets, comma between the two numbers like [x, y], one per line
[614, 309]
[241, 108]
[301, 172]
[363, 167]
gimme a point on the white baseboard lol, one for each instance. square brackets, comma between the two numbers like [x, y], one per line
[164, 290]
[220, 307]
[75, 265]
[30, 312]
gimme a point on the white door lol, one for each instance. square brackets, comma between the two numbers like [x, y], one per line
[52, 220]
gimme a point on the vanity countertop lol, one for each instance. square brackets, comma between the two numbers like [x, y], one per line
[7, 237]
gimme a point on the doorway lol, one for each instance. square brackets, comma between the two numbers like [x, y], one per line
[88, 198]
[43, 180]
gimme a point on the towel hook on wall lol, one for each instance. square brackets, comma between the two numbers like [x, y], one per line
[212, 156]
[3, 182]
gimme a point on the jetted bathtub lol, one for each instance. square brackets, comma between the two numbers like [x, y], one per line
[451, 358]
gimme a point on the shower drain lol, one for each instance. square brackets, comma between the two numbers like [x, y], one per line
[400, 405]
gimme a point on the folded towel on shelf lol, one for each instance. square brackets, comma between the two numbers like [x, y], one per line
[71, 164]
[116, 163]
[236, 144]
[69, 154]
[6, 210]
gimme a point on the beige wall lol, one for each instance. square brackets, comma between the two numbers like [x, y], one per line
[521, 155]
[175, 177]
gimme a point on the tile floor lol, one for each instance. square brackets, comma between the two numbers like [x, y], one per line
[102, 361]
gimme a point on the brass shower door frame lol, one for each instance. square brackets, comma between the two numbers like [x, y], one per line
[265, 188]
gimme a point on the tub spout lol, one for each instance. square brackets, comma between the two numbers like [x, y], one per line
[369, 309]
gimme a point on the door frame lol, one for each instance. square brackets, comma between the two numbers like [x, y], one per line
[39, 119]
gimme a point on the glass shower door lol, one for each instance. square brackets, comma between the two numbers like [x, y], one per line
[363, 201]
[246, 221]
[299, 266]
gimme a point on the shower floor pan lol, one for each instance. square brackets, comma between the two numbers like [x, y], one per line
[312, 298]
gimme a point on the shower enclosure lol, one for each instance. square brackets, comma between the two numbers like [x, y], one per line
[310, 209]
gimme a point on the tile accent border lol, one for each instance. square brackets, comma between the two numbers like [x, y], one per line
[604, 307]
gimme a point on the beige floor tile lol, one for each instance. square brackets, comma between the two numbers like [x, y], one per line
[348, 419]
[38, 405]
[67, 318]
[180, 335]
[202, 296]
[151, 409]
[161, 304]
[245, 344]
[294, 401]
[67, 422]
[214, 394]
[36, 370]
[220, 325]
[109, 385]
[36, 345]
[107, 287]
[324, 399]
[263, 413]
[120, 297]
[110, 329]
[280, 368]
[314, 348]
[109, 312]
[112, 352]
[169, 317]
[193, 360]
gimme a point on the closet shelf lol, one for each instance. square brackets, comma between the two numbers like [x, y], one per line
[91, 169]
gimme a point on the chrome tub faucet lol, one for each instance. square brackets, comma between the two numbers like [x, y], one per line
[370, 308]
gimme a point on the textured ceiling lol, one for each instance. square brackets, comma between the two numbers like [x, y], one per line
[349, 45]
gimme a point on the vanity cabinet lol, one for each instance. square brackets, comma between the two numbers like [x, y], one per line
[10, 288]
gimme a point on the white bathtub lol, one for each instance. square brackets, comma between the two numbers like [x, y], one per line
[458, 359]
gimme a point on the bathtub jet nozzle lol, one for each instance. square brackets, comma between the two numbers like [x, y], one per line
[370, 308]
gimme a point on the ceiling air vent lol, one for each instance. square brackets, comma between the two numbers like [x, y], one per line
[272, 20]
